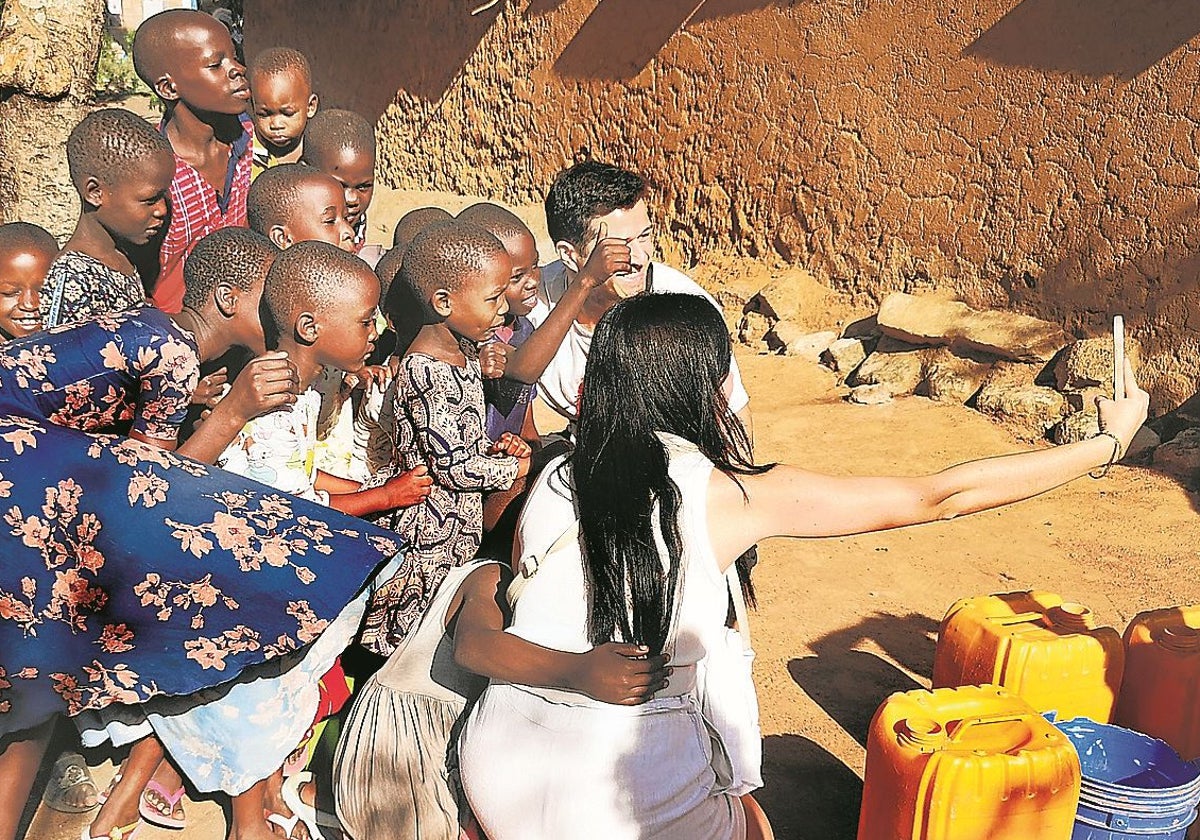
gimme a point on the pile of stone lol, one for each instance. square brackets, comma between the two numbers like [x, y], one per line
[1024, 372]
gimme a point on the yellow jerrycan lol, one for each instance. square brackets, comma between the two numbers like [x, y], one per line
[1160, 694]
[1049, 652]
[973, 763]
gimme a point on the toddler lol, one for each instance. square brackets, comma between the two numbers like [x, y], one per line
[283, 103]
[122, 169]
[435, 414]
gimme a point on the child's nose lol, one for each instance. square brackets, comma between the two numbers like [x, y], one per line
[31, 300]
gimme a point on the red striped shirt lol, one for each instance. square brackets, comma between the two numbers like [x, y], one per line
[196, 211]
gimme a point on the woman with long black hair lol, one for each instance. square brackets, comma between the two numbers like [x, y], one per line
[664, 502]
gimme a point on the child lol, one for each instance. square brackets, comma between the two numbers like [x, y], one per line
[342, 144]
[283, 103]
[187, 58]
[437, 417]
[26, 255]
[391, 772]
[415, 221]
[122, 170]
[293, 203]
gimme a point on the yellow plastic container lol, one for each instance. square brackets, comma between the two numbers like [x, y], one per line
[974, 763]
[1041, 648]
[1160, 694]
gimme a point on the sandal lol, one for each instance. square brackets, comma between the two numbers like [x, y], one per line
[288, 824]
[70, 772]
[121, 832]
[304, 812]
[150, 812]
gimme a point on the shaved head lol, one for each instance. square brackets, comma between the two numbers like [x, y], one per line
[415, 221]
[309, 276]
[154, 42]
[499, 221]
[273, 196]
[443, 256]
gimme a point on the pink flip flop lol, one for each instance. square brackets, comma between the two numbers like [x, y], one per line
[155, 817]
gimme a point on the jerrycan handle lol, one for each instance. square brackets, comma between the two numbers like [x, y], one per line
[955, 732]
[1018, 618]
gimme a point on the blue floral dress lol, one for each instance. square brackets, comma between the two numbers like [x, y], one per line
[131, 575]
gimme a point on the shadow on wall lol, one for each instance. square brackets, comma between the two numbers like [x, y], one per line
[362, 53]
[1094, 38]
[621, 37]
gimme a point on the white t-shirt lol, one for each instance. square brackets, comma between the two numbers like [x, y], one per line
[560, 382]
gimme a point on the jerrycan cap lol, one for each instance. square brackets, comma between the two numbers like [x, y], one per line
[920, 733]
[1072, 617]
[1178, 637]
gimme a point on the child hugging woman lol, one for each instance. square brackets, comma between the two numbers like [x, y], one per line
[434, 414]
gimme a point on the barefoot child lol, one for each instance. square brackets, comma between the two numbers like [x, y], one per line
[342, 144]
[122, 169]
[187, 58]
[283, 103]
[437, 417]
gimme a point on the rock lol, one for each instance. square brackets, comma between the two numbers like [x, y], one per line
[1010, 396]
[1075, 427]
[753, 328]
[950, 377]
[894, 364]
[862, 328]
[793, 340]
[844, 356]
[1144, 442]
[870, 395]
[1088, 363]
[1084, 399]
[786, 296]
[929, 321]
[1180, 457]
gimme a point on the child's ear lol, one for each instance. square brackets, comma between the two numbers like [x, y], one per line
[93, 192]
[164, 86]
[279, 236]
[226, 296]
[313, 102]
[439, 302]
[307, 328]
[569, 254]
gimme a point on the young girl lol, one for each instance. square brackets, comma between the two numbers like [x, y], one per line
[122, 169]
[664, 502]
[437, 417]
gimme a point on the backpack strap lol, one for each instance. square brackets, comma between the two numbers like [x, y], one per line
[530, 563]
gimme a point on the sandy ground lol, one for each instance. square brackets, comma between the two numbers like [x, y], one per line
[842, 623]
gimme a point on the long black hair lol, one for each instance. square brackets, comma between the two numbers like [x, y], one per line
[658, 363]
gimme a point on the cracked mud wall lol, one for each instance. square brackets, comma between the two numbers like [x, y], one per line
[1034, 154]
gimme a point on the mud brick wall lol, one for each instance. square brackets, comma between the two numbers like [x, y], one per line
[1035, 154]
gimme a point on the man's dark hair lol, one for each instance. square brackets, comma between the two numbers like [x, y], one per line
[586, 191]
[235, 255]
[110, 143]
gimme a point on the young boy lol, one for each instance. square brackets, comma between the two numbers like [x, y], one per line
[598, 219]
[26, 254]
[284, 102]
[187, 58]
[122, 169]
[434, 415]
[293, 203]
[413, 222]
[342, 144]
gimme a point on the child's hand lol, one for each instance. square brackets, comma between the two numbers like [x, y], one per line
[407, 489]
[210, 388]
[493, 358]
[621, 674]
[510, 444]
[609, 257]
[370, 376]
[267, 382]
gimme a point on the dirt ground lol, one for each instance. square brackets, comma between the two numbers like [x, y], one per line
[842, 623]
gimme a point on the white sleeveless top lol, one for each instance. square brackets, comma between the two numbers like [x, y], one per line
[553, 608]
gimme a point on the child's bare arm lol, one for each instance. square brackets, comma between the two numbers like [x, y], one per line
[401, 491]
[611, 673]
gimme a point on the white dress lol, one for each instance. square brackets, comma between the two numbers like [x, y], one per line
[545, 763]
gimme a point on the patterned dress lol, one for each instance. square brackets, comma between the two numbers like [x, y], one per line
[79, 286]
[433, 414]
[132, 575]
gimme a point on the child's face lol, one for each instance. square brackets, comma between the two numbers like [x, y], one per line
[205, 73]
[135, 208]
[348, 332]
[319, 214]
[283, 105]
[478, 306]
[22, 274]
[356, 173]
[526, 274]
[633, 226]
